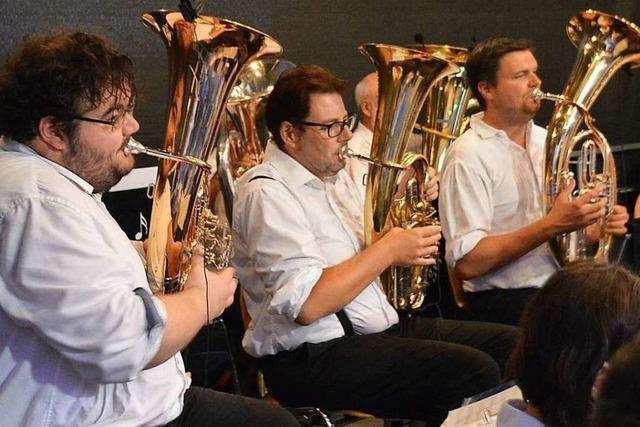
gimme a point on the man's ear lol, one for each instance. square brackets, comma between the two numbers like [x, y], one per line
[289, 134]
[486, 90]
[369, 109]
[52, 134]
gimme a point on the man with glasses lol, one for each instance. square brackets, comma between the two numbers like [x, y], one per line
[83, 341]
[321, 327]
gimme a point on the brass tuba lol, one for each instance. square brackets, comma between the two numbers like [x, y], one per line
[605, 43]
[443, 116]
[206, 56]
[404, 78]
[241, 145]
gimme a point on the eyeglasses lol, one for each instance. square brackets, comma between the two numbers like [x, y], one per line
[336, 128]
[116, 122]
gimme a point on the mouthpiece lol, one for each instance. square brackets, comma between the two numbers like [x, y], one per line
[135, 147]
[537, 94]
[346, 152]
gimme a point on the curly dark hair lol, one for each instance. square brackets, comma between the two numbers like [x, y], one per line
[484, 60]
[289, 100]
[56, 76]
[582, 315]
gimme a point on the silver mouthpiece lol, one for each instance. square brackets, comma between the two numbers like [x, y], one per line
[136, 147]
[537, 94]
[346, 152]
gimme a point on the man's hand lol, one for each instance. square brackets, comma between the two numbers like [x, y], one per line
[615, 224]
[432, 185]
[567, 215]
[414, 246]
[186, 310]
[222, 285]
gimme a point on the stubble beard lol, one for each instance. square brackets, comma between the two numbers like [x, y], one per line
[99, 170]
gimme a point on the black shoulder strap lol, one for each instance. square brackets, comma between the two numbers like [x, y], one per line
[261, 177]
[342, 316]
[345, 322]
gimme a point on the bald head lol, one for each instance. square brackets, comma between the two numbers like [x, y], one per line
[366, 95]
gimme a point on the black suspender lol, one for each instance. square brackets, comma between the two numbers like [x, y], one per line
[342, 316]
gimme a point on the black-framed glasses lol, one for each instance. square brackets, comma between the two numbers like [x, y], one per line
[116, 121]
[336, 128]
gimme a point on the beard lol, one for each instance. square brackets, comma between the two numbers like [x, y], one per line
[99, 169]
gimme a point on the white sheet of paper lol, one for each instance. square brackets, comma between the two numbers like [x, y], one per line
[482, 413]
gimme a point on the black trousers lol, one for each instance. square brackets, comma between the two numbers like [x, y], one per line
[499, 305]
[208, 408]
[419, 369]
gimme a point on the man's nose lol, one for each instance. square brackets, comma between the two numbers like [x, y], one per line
[131, 125]
[346, 134]
[535, 80]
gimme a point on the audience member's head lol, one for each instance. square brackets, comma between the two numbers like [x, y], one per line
[618, 401]
[573, 325]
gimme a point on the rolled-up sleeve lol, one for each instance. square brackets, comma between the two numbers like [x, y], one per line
[277, 240]
[466, 208]
[76, 290]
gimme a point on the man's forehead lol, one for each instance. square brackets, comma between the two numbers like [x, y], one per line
[516, 61]
[326, 106]
[109, 100]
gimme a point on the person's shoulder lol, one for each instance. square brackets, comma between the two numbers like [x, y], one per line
[258, 176]
[467, 146]
[23, 174]
[260, 182]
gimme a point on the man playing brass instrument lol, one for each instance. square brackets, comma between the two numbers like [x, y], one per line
[491, 210]
[321, 326]
[83, 342]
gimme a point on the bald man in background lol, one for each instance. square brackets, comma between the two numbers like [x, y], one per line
[366, 95]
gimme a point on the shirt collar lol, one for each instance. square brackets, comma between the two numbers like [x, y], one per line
[14, 146]
[289, 169]
[485, 131]
[365, 130]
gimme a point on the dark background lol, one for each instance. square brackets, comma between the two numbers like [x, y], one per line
[327, 33]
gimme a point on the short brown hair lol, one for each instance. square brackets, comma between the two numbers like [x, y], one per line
[582, 315]
[484, 60]
[289, 100]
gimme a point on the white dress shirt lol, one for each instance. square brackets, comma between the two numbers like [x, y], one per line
[490, 186]
[288, 226]
[360, 143]
[74, 338]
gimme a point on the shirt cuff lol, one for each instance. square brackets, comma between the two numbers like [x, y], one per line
[289, 298]
[458, 248]
[156, 315]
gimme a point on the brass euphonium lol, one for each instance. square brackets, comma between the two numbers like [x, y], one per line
[404, 78]
[445, 107]
[605, 43]
[206, 56]
[243, 143]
